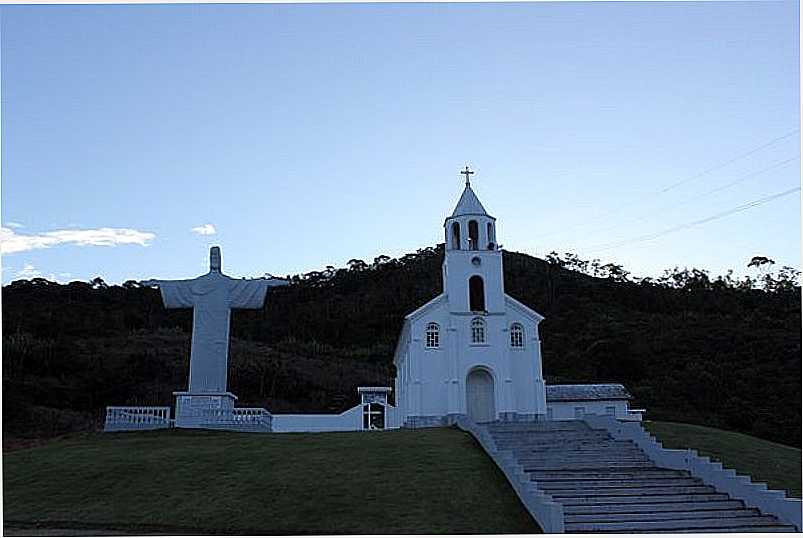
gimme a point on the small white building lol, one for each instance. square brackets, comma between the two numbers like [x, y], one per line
[472, 350]
[570, 402]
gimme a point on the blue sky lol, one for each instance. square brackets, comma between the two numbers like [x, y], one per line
[307, 135]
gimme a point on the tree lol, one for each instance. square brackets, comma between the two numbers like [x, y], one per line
[381, 260]
[357, 265]
[614, 272]
[759, 261]
[786, 280]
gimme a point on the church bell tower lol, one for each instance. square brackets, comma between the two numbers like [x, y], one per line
[472, 267]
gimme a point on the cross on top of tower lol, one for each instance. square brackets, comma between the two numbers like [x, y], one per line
[467, 173]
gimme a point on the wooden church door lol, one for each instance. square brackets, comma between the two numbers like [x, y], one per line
[480, 396]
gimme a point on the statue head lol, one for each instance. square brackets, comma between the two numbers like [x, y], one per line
[214, 260]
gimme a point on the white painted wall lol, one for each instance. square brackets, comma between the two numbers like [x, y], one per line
[350, 420]
[568, 410]
[458, 268]
[431, 382]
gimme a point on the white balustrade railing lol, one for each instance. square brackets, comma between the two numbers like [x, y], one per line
[120, 418]
[245, 416]
[251, 414]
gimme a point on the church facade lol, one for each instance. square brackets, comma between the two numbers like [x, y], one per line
[472, 350]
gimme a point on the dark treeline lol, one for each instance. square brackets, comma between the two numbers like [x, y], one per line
[715, 351]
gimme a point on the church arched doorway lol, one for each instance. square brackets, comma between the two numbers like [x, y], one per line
[480, 396]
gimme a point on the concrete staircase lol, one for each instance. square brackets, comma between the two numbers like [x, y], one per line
[607, 485]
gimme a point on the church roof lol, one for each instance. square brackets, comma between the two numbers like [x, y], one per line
[573, 393]
[468, 204]
[523, 308]
[426, 306]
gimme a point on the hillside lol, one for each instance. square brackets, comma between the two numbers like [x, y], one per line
[398, 482]
[690, 348]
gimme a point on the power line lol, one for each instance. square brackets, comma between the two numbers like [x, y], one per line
[748, 176]
[655, 235]
[696, 197]
[729, 161]
[677, 183]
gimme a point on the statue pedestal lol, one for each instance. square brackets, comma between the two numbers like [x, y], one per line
[198, 409]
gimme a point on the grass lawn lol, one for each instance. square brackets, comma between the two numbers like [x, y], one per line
[777, 465]
[405, 481]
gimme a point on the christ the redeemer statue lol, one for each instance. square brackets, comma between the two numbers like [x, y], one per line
[212, 297]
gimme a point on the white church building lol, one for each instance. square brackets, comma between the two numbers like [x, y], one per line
[472, 350]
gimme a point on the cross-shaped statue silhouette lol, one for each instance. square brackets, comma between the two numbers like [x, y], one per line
[467, 173]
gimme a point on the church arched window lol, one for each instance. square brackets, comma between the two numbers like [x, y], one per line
[456, 235]
[476, 294]
[477, 331]
[516, 335]
[473, 235]
[433, 335]
[490, 237]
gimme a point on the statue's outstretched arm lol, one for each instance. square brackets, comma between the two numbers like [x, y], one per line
[175, 293]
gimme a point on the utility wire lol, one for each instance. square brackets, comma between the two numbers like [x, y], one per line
[748, 176]
[677, 183]
[734, 159]
[655, 235]
[696, 197]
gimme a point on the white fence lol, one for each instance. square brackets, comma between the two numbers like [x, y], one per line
[122, 418]
[245, 418]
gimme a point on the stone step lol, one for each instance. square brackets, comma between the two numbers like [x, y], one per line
[567, 436]
[555, 454]
[548, 444]
[591, 451]
[651, 508]
[524, 444]
[653, 491]
[592, 466]
[546, 424]
[535, 428]
[755, 529]
[569, 458]
[551, 435]
[641, 499]
[547, 431]
[709, 523]
[549, 485]
[552, 430]
[561, 449]
[530, 464]
[567, 447]
[659, 516]
[619, 474]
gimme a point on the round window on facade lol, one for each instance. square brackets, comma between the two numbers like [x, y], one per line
[476, 261]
